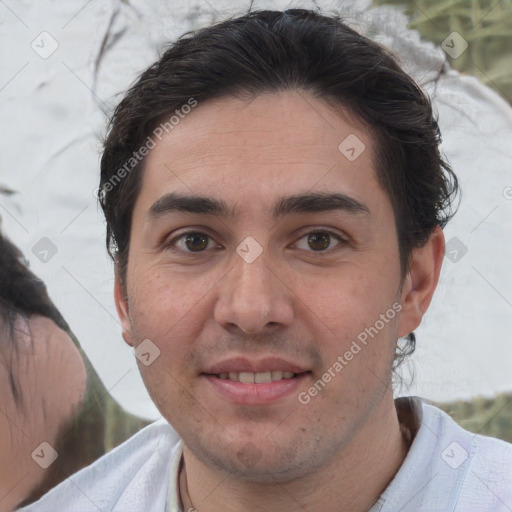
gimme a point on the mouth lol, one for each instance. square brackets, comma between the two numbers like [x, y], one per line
[257, 378]
[255, 388]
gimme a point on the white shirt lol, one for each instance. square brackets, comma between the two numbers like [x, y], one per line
[447, 469]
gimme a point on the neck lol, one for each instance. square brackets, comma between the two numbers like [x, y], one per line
[353, 479]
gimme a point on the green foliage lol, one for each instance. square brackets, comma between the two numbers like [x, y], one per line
[486, 25]
[486, 416]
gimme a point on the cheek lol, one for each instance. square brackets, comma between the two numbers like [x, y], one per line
[171, 310]
[353, 317]
[162, 299]
[341, 303]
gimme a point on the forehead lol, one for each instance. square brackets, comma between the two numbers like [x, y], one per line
[250, 151]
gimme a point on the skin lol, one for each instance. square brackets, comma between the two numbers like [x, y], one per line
[51, 375]
[339, 451]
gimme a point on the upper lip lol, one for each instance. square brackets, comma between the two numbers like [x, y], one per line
[242, 364]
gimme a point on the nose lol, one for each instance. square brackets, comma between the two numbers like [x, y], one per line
[253, 297]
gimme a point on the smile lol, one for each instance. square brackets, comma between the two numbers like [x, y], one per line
[256, 378]
[255, 388]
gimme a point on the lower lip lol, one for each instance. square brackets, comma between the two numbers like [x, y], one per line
[242, 393]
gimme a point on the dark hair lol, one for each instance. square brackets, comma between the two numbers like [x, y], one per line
[22, 294]
[269, 51]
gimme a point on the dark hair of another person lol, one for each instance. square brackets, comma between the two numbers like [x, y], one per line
[100, 423]
[21, 294]
[301, 50]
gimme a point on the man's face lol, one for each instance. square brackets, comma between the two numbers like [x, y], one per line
[220, 311]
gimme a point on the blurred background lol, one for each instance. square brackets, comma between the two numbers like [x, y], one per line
[486, 28]
[65, 65]
[485, 25]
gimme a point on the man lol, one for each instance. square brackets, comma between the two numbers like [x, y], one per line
[275, 198]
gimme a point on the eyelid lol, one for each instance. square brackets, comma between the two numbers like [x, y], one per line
[170, 243]
[342, 239]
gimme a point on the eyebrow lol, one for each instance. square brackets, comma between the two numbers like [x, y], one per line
[174, 202]
[318, 202]
[300, 203]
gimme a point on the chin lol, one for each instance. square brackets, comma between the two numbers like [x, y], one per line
[259, 461]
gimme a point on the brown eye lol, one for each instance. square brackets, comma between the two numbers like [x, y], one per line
[319, 241]
[192, 242]
[195, 242]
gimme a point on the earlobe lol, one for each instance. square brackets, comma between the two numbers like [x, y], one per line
[421, 282]
[123, 311]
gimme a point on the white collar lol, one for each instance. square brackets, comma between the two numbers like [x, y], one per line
[173, 502]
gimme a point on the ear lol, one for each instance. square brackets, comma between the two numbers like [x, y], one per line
[421, 281]
[123, 311]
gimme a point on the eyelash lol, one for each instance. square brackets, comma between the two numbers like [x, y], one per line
[171, 245]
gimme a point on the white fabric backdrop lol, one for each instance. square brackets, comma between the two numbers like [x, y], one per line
[52, 114]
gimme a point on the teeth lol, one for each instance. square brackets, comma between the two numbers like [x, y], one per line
[277, 375]
[262, 377]
[256, 378]
[247, 377]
